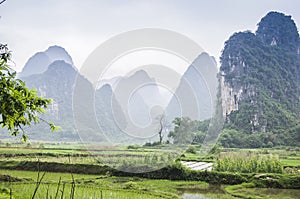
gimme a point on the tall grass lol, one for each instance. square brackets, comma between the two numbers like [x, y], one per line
[49, 191]
[248, 163]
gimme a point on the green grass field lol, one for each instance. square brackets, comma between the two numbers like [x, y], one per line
[93, 185]
[106, 186]
[24, 191]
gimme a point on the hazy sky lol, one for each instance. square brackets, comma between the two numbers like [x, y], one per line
[80, 26]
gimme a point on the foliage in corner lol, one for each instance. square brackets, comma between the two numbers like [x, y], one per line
[19, 106]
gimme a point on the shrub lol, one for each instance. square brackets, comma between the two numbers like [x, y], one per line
[149, 144]
[191, 149]
[135, 146]
[277, 181]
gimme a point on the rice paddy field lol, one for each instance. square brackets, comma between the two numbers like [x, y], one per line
[19, 181]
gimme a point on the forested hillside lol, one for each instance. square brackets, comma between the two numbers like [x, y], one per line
[260, 76]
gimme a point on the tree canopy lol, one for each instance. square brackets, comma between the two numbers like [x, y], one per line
[187, 131]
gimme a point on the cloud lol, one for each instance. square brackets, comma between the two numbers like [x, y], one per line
[80, 26]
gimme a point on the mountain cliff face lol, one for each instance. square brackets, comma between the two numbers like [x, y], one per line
[196, 93]
[260, 85]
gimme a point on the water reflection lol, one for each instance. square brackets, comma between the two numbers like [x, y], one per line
[194, 196]
[202, 193]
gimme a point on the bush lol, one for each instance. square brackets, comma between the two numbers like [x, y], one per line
[191, 149]
[277, 181]
[135, 146]
[41, 146]
[131, 185]
[149, 144]
[4, 190]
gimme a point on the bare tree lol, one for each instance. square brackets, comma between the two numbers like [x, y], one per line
[163, 126]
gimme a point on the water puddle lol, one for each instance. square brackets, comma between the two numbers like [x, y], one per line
[194, 196]
[202, 193]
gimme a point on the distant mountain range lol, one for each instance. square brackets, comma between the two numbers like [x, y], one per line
[39, 62]
[257, 88]
[121, 104]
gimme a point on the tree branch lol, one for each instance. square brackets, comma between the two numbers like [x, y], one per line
[2, 1]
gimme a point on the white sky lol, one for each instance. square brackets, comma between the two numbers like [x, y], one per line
[80, 26]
